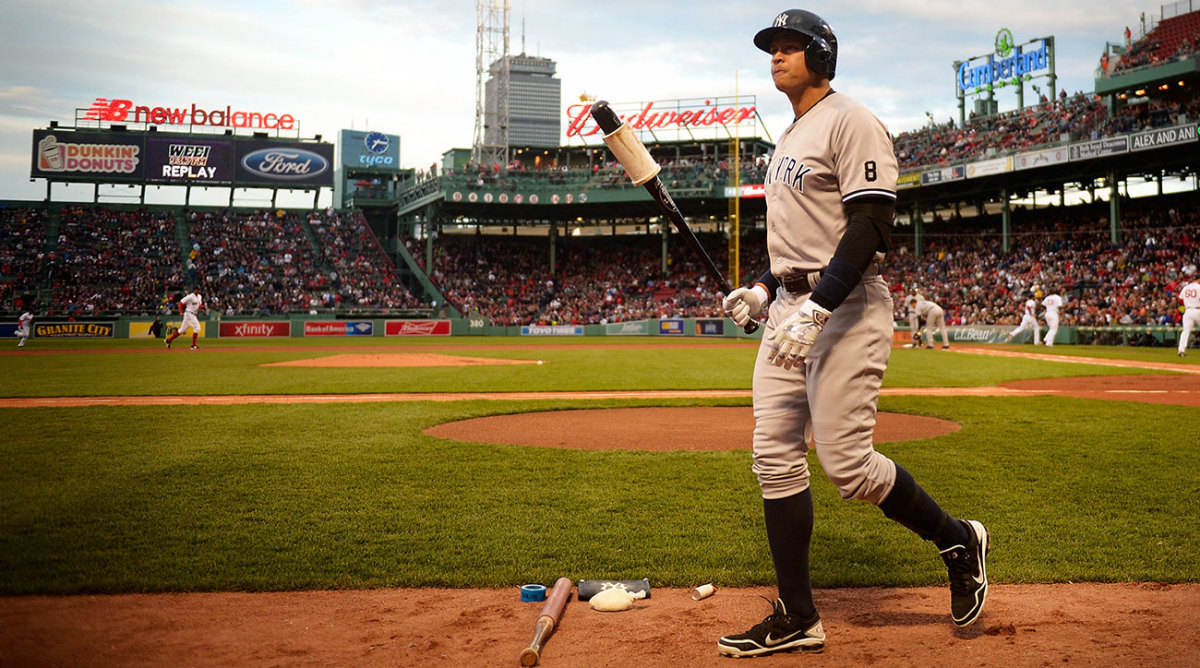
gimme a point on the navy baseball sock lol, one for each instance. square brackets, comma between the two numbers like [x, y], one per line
[911, 506]
[789, 529]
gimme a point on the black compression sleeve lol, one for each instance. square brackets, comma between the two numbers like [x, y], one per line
[868, 230]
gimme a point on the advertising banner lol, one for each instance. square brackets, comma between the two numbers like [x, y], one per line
[944, 174]
[1035, 159]
[710, 327]
[189, 160]
[374, 150]
[284, 164]
[84, 330]
[672, 327]
[552, 330]
[255, 329]
[909, 180]
[1098, 148]
[339, 328]
[8, 330]
[101, 156]
[633, 328]
[416, 328]
[989, 167]
[1180, 134]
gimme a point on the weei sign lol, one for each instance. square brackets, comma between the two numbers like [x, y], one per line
[373, 150]
[186, 159]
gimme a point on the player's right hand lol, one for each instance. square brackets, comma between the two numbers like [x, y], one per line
[745, 304]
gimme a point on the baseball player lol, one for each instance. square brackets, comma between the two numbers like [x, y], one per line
[1028, 321]
[830, 191]
[23, 327]
[1051, 302]
[921, 309]
[189, 306]
[1190, 296]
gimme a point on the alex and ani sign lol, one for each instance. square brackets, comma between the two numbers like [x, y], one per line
[683, 114]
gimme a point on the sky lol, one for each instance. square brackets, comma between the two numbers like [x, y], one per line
[407, 67]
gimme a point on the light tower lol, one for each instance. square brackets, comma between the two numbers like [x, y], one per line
[491, 57]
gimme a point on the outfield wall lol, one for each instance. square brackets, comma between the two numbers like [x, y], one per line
[307, 326]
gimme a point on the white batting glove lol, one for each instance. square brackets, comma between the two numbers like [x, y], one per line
[745, 304]
[795, 336]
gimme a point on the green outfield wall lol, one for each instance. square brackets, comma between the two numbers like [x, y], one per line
[327, 326]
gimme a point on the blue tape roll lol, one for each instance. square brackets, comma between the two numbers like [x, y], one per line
[533, 592]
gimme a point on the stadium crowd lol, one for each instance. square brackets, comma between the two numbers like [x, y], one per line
[597, 279]
[92, 260]
[111, 260]
[1135, 281]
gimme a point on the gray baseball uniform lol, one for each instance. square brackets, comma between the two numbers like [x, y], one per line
[837, 152]
[831, 190]
[921, 310]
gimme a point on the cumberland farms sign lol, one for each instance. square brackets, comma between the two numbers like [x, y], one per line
[677, 115]
[121, 111]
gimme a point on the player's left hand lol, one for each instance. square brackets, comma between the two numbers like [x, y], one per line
[795, 336]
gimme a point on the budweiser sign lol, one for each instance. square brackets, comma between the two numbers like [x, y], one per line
[119, 111]
[672, 115]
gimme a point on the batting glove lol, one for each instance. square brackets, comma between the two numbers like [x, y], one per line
[745, 304]
[796, 335]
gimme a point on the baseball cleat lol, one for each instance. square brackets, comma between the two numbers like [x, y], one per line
[968, 575]
[1182, 354]
[168, 342]
[195, 347]
[779, 632]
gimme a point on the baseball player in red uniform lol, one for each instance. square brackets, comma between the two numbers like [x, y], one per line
[1190, 296]
[189, 306]
[831, 190]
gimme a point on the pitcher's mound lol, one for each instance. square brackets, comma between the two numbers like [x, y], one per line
[655, 428]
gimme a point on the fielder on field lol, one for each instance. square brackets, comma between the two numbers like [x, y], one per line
[1028, 321]
[189, 306]
[921, 310]
[1052, 302]
[1190, 296]
[24, 323]
[830, 192]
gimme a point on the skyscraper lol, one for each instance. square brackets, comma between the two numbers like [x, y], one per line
[534, 102]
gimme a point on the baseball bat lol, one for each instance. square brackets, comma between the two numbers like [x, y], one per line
[643, 171]
[547, 621]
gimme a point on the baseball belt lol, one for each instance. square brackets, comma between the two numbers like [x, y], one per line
[799, 284]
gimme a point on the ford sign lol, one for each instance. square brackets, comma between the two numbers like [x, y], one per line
[285, 164]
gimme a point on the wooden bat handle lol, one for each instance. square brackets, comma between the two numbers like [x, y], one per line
[547, 621]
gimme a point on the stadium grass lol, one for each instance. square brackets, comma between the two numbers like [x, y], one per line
[286, 497]
[140, 367]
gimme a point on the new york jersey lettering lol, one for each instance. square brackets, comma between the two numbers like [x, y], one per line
[788, 172]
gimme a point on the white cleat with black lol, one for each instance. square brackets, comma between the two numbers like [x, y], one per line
[968, 575]
[779, 632]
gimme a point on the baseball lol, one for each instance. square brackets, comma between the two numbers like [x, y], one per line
[539, 362]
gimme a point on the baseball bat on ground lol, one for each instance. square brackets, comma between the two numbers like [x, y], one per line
[547, 621]
[643, 171]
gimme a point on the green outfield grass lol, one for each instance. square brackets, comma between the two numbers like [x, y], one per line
[282, 497]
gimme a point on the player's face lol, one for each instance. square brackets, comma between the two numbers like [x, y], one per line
[788, 66]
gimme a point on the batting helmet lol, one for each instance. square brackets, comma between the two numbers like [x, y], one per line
[821, 53]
